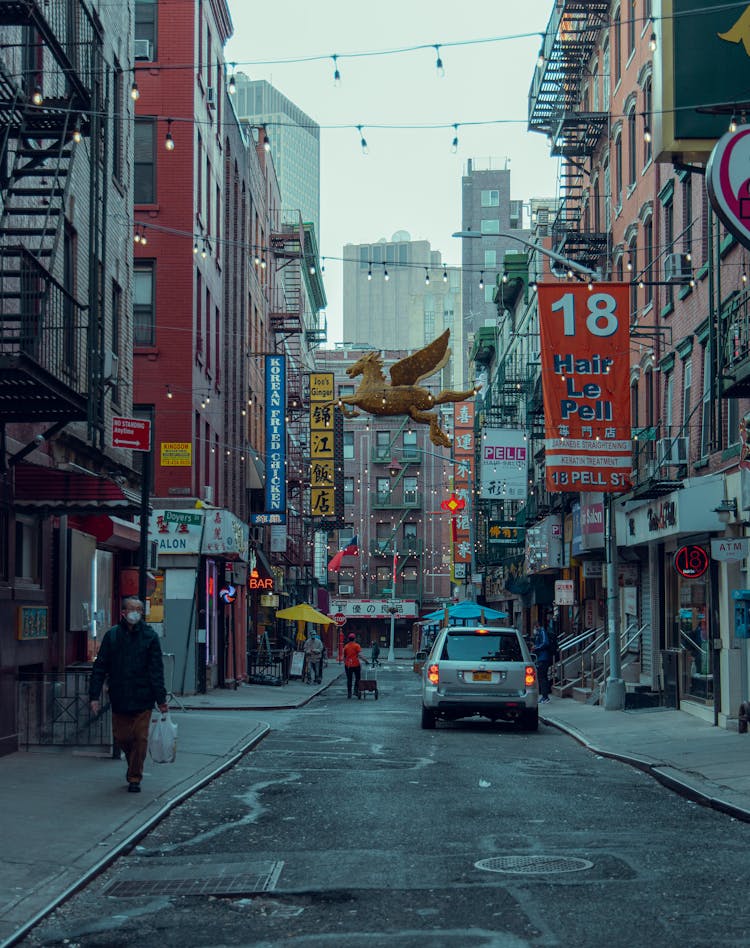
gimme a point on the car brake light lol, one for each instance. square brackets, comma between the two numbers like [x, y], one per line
[530, 675]
[433, 674]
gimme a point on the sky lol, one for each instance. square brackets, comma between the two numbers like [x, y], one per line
[410, 179]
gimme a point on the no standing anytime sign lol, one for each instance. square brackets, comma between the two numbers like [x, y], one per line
[132, 433]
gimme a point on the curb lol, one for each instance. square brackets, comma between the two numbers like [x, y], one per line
[135, 836]
[675, 784]
[262, 707]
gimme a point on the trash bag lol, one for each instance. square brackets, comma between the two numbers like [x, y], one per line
[162, 738]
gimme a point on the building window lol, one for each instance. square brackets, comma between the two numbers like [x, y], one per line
[647, 150]
[490, 258]
[489, 292]
[687, 213]
[144, 163]
[634, 274]
[403, 253]
[617, 45]
[116, 340]
[410, 538]
[144, 306]
[348, 490]
[706, 404]
[618, 171]
[605, 76]
[346, 390]
[364, 258]
[383, 444]
[410, 444]
[146, 20]
[733, 420]
[490, 226]
[383, 489]
[632, 147]
[118, 122]
[28, 550]
[607, 194]
[348, 445]
[687, 383]
[648, 249]
[669, 243]
[631, 27]
[668, 404]
[490, 199]
[410, 489]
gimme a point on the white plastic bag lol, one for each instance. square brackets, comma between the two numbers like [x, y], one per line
[162, 738]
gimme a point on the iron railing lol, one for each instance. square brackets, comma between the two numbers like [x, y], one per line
[53, 710]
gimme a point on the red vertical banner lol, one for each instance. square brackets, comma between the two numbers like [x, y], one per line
[464, 483]
[585, 340]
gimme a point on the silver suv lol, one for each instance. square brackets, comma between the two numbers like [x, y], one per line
[480, 670]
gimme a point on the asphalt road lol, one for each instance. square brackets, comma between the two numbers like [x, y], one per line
[350, 826]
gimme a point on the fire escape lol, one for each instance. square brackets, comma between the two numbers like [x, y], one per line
[555, 110]
[50, 97]
[295, 251]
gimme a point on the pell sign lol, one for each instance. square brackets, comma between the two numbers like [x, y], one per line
[585, 339]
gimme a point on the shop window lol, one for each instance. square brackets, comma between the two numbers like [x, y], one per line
[28, 549]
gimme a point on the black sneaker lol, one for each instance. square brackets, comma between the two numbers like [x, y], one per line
[134, 788]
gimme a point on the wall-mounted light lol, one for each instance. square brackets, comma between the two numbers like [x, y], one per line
[168, 140]
[726, 508]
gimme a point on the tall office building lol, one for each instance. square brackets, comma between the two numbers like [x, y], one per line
[487, 209]
[294, 139]
[399, 295]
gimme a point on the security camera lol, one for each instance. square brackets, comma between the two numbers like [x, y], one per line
[39, 438]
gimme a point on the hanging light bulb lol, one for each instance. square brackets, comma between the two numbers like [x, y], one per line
[77, 136]
[263, 263]
[733, 124]
[195, 247]
[362, 140]
[336, 73]
[232, 87]
[369, 271]
[646, 129]
[439, 62]
[266, 142]
[256, 258]
[137, 236]
[385, 274]
[204, 251]
[144, 239]
[168, 140]
[481, 280]
[426, 277]
[454, 143]
[744, 277]
[445, 275]
[169, 392]
[37, 97]
[135, 92]
[652, 42]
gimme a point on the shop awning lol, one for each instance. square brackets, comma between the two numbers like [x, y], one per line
[114, 533]
[54, 491]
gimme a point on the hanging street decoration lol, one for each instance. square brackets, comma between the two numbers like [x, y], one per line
[453, 503]
[403, 395]
[585, 335]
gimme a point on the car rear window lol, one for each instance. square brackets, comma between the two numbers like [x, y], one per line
[492, 647]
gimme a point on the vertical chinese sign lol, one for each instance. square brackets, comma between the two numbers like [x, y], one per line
[463, 485]
[275, 434]
[322, 461]
[585, 337]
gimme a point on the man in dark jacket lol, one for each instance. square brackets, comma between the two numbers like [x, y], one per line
[130, 657]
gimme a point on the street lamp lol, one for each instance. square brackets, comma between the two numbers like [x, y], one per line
[558, 258]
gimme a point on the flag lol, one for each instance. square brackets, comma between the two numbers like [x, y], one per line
[351, 549]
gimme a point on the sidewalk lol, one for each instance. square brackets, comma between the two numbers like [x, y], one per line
[66, 814]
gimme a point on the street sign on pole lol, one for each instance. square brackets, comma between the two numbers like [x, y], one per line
[132, 433]
[340, 619]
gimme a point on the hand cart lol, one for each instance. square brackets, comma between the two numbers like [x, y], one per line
[368, 683]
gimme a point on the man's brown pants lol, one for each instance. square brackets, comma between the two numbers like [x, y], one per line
[130, 733]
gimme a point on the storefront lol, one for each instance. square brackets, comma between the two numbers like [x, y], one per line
[678, 581]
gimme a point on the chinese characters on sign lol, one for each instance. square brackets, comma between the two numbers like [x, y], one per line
[585, 336]
[463, 480]
[275, 434]
[504, 464]
[32, 622]
[322, 461]
[373, 608]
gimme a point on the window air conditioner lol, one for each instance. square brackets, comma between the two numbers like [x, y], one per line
[211, 96]
[672, 451]
[677, 268]
[143, 49]
[346, 589]
[110, 367]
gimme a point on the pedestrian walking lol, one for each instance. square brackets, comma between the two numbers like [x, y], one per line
[542, 649]
[314, 650]
[130, 659]
[375, 656]
[352, 666]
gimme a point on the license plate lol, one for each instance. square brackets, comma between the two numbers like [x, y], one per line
[482, 676]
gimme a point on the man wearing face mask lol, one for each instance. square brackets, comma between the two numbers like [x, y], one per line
[130, 658]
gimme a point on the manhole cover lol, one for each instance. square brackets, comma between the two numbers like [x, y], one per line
[227, 883]
[533, 865]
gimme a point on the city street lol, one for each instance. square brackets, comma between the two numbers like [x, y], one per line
[349, 825]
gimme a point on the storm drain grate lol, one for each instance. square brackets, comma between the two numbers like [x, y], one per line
[230, 883]
[533, 865]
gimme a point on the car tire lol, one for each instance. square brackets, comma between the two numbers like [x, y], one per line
[428, 720]
[530, 719]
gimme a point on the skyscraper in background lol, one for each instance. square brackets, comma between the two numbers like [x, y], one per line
[399, 295]
[294, 139]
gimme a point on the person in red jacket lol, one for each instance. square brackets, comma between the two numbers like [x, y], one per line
[352, 659]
